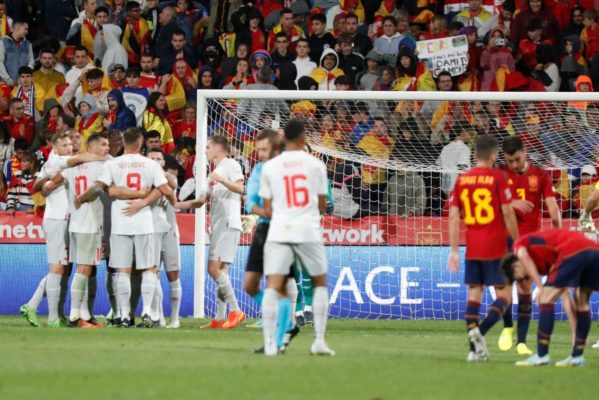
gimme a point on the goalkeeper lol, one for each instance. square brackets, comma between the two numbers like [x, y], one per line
[268, 145]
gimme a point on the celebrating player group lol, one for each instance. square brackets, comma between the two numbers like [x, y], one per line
[501, 210]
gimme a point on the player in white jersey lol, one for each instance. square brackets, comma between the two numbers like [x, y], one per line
[166, 245]
[131, 234]
[225, 188]
[294, 188]
[85, 230]
[56, 218]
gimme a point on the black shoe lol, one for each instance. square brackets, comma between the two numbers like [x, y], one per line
[125, 323]
[300, 320]
[309, 317]
[73, 324]
[146, 321]
[259, 350]
[290, 334]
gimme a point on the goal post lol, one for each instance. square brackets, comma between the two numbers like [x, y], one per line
[386, 233]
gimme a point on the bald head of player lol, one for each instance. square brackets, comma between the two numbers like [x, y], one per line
[486, 150]
[515, 154]
[295, 135]
[217, 148]
[97, 143]
[268, 144]
[132, 140]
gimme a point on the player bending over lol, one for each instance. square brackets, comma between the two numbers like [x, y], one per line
[483, 196]
[569, 260]
[268, 144]
[225, 188]
[530, 186]
[294, 188]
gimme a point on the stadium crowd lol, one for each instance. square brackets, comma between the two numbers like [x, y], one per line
[91, 66]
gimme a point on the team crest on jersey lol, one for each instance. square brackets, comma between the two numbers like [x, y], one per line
[533, 183]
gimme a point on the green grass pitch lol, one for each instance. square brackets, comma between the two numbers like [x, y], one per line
[375, 360]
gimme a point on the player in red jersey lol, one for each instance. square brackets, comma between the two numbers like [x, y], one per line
[483, 196]
[530, 186]
[569, 260]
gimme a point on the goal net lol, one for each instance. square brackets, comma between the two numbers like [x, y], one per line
[392, 159]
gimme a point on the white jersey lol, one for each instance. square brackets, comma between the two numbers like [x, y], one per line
[89, 217]
[57, 204]
[225, 206]
[294, 180]
[171, 217]
[133, 171]
[160, 221]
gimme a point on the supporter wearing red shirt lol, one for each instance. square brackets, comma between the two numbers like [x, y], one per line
[148, 77]
[535, 9]
[20, 125]
[186, 126]
[590, 33]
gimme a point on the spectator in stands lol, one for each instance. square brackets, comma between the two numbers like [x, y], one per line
[350, 61]
[206, 78]
[346, 185]
[405, 194]
[590, 33]
[90, 120]
[549, 73]
[186, 77]
[102, 18]
[29, 92]
[57, 17]
[496, 57]
[303, 63]
[229, 64]
[527, 49]
[286, 76]
[74, 75]
[327, 72]
[362, 123]
[118, 12]
[220, 16]
[388, 42]
[155, 118]
[53, 120]
[288, 27]
[168, 26]
[281, 51]
[320, 39]
[151, 14]
[21, 146]
[119, 116]
[241, 78]
[253, 108]
[412, 74]
[20, 125]
[361, 43]
[535, 9]
[576, 22]
[385, 82]
[135, 95]
[366, 79]
[84, 28]
[6, 152]
[503, 20]
[115, 53]
[148, 78]
[186, 126]
[438, 29]
[20, 187]
[583, 189]
[176, 50]
[94, 82]
[46, 76]
[455, 156]
[475, 15]
[249, 22]
[444, 83]
[188, 15]
[470, 80]
[136, 33]
[15, 51]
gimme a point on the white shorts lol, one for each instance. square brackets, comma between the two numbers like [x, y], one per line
[85, 248]
[223, 244]
[279, 256]
[166, 251]
[57, 240]
[122, 248]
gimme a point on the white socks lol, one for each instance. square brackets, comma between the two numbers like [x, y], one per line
[111, 289]
[320, 305]
[123, 293]
[53, 293]
[176, 293]
[292, 293]
[157, 299]
[270, 308]
[221, 308]
[77, 294]
[224, 285]
[38, 295]
[148, 285]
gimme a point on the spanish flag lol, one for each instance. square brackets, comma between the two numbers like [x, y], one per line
[88, 33]
[4, 26]
[135, 38]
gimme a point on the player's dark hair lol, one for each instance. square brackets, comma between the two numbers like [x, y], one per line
[25, 70]
[95, 73]
[486, 145]
[222, 141]
[94, 137]
[132, 136]
[511, 145]
[58, 136]
[294, 129]
[507, 266]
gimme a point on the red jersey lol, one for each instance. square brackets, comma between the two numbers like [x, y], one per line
[21, 129]
[533, 185]
[552, 246]
[149, 81]
[479, 193]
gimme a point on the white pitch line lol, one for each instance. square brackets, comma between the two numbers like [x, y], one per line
[448, 285]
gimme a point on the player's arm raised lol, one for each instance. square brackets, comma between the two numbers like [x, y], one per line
[529, 266]
[454, 239]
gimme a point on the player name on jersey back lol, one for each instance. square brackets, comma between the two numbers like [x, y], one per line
[135, 172]
[294, 180]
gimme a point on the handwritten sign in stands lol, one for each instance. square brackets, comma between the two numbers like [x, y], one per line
[446, 54]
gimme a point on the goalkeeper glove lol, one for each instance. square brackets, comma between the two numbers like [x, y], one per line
[248, 223]
[586, 223]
